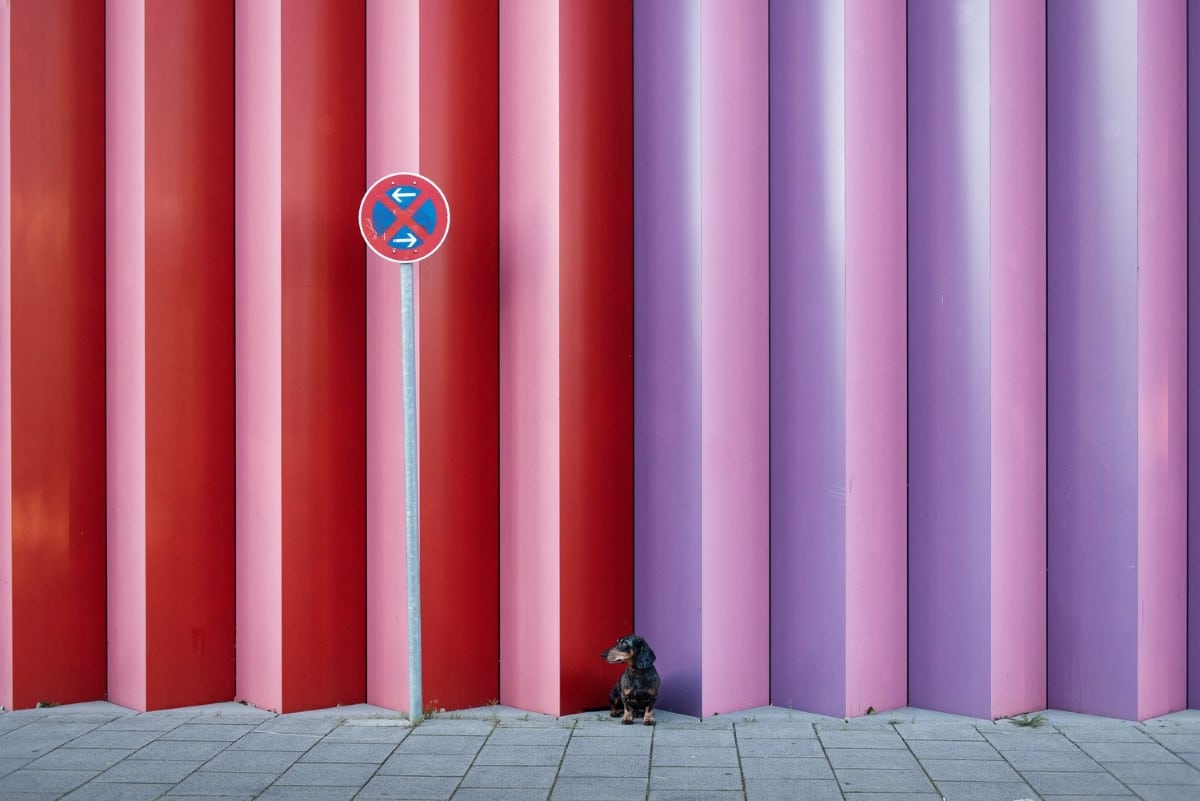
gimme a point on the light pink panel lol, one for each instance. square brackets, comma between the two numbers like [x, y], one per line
[1018, 349]
[6, 611]
[529, 337]
[258, 312]
[876, 405]
[125, 198]
[393, 145]
[1162, 356]
[735, 463]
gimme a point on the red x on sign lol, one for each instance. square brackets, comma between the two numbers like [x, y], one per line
[404, 217]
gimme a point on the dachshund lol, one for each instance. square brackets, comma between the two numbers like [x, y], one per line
[637, 690]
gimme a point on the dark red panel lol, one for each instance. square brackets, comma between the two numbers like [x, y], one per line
[189, 353]
[459, 341]
[596, 327]
[324, 347]
[57, 342]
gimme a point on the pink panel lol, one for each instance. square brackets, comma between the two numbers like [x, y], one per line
[1018, 355]
[529, 339]
[125, 191]
[393, 145]
[876, 505]
[735, 560]
[1162, 160]
[6, 610]
[258, 184]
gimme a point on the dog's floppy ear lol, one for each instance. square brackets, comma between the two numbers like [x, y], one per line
[645, 657]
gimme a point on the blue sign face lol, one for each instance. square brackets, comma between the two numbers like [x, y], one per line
[404, 217]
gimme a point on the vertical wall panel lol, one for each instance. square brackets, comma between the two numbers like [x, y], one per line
[301, 344]
[1193, 142]
[55, 538]
[702, 346]
[170, 353]
[838, 357]
[454, 141]
[565, 348]
[1116, 363]
[976, 364]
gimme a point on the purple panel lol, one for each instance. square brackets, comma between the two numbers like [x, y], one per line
[667, 522]
[949, 534]
[808, 338]
[1092, 356]
[1194, 359]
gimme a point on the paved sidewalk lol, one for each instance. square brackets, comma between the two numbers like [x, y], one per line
[229, 751]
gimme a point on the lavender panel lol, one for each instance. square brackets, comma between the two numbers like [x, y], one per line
[667, 522]
[949, 363]
[808, 398]
[1092, 356]
[1193, 68]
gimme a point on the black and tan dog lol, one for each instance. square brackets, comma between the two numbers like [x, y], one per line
[637, 689]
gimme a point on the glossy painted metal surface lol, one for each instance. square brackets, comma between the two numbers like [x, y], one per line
[55, 588]
[1193, 106]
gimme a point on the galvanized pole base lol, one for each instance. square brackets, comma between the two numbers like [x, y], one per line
[412, 534]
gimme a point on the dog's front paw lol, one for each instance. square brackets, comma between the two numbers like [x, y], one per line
[648, 719]
[614, 713]
[627, 718]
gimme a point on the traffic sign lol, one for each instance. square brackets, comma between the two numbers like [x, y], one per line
[404, 217]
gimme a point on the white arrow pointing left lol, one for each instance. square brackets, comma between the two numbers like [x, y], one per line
[402, 193]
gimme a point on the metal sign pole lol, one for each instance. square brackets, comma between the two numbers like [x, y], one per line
[412, 534]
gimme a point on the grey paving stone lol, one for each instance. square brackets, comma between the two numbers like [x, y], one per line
[792, 790]
[442, 744]
[109, 791]
[293, 793]
[207, 731]
[1069, 783]
[780, 747]
[610, 746]
[696, 795]
[695, 779]
[929, 796]
[1106, 752]
[427, 765]
[115, 738]
[878, 781]
[777, 730]
[260, 740]
[251, 761]
[684, 756]
[80, 759]
[510, 794]
[180, 749]
[348, 733]
[520, 755]
[585, 727]
[1191, 759]
[1156, 773]
[883, 738]
[9, 764]
[970, 770]
[1019, 740]
[300, 724]
[43, 781]
[1178, 742]
[872, 758]
[529, 736]
[144, 722]
[212, 784]
[702, 738]
[325, 751]
[148, 771]
[41, 736]
[982, 791]
[938, 731]
[786, 768]
[1110, 732]
[434, 727]
[1052, 760]
[328, 773]
[411, 788]
[953, 749]
[1164, 792]
[503, 776]
[595, 788]
[611, 765]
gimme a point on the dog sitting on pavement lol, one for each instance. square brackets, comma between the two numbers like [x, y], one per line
[636, 692]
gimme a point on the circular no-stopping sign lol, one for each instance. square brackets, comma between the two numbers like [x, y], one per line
[404, 217]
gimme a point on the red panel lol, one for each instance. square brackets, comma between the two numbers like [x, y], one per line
[189, 353]
[596, 326]
[459, 340]
[324, 346]
[57, 342]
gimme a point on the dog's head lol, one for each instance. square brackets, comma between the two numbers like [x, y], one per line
[631, 649]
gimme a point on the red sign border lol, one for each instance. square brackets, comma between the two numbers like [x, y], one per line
[393, 179]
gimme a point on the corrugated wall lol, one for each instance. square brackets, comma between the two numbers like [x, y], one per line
[839, 347]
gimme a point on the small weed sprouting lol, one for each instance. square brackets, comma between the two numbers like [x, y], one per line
[1027, 720]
